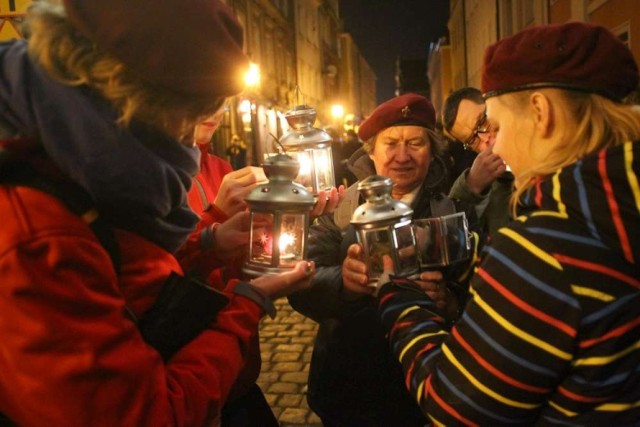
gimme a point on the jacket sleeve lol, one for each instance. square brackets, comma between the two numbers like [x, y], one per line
[325, 298]
[70, 354]
[197, 253]
[502, 360]
[460, 190]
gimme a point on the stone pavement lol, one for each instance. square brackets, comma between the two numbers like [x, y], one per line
[286, 343]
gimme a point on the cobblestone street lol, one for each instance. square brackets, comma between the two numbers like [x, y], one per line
[286, 343]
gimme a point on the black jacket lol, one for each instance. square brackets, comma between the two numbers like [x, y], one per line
[353, 379]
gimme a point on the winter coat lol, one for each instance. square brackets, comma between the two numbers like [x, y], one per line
[551, 335]
[71, 353]
[353, 379]
[194, 256]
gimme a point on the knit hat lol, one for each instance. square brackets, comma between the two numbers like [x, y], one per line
[192, 47]
[576, 55]
[407, 109]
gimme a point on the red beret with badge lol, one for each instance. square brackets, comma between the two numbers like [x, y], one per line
[577, 56]
[407, 109]
[192, 47]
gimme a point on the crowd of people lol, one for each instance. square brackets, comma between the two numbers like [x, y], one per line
[122, 297]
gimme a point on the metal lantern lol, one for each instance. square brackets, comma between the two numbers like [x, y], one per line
[383, 227]
[279, 219]
[311, 147]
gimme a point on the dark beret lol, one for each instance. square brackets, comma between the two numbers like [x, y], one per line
[192, 47]
[576, 55]
[407, 109]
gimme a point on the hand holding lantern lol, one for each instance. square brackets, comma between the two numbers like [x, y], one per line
[279, 219]
[383, 227]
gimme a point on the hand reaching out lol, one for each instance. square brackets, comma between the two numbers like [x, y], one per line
[234, 188]
[327, 201]
[278, 285]
[232, 236]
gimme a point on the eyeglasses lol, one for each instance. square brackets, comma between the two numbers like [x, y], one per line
[482, 127]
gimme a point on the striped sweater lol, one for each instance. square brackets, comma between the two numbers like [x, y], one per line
[551, 334]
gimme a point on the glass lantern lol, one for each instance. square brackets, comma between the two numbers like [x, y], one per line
[383, 227]
[279, 219]
[311, 147]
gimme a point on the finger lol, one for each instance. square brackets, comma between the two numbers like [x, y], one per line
[355, 265]
[320, 204]
[431, 276]
[387, 263]
[359, 279]
[333, 201]
[354, 250]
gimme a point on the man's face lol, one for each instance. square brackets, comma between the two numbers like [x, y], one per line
[402, 153]
[470, 126]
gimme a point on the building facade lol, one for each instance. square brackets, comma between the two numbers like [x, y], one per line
[475, 24]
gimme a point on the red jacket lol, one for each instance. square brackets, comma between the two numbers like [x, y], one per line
[71, 355]
[201, 197]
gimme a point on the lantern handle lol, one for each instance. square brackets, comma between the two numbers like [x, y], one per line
[298, 93]
[275, 138]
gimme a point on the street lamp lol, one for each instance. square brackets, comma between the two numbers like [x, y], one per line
[279, 219]
[383, 227]
[311, 147]
[252, 76]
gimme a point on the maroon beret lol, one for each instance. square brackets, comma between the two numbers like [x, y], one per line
[407, 109]
[576, 55]
[193, 47]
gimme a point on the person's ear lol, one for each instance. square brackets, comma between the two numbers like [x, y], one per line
[543, 114]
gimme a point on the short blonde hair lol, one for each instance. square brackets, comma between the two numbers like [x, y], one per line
[599, 123]
[74, 60]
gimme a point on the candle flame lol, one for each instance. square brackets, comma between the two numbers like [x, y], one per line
[286, 240]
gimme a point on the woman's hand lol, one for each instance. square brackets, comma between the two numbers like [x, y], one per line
[354, 272]
[235, 187]
[280, 285]
[232, 236]
[327, 202]
[431, 283]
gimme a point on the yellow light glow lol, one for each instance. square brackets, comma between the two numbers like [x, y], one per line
[337, 111]
[286, 240]
[252, 77]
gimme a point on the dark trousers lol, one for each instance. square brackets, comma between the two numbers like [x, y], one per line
[249, 410]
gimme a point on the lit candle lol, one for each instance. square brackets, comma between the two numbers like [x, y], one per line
[287, 241]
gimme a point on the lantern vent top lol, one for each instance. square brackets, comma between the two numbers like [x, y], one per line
[301, 118]
[280, 191]
[379, 207]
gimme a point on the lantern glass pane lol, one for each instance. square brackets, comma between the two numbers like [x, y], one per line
[291, 240]
[305, 174]
[323, 166]
[261, 250]
[377, 243]
[407, 257]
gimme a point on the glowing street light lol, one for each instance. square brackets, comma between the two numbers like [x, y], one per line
[252, 77]
[337, 111]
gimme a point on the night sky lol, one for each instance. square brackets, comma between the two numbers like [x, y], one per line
[384, 29]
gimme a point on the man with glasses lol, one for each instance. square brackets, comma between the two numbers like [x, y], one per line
[486, 183]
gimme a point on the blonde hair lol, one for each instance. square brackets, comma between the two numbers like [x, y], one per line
[598, 123]
[72, 59]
